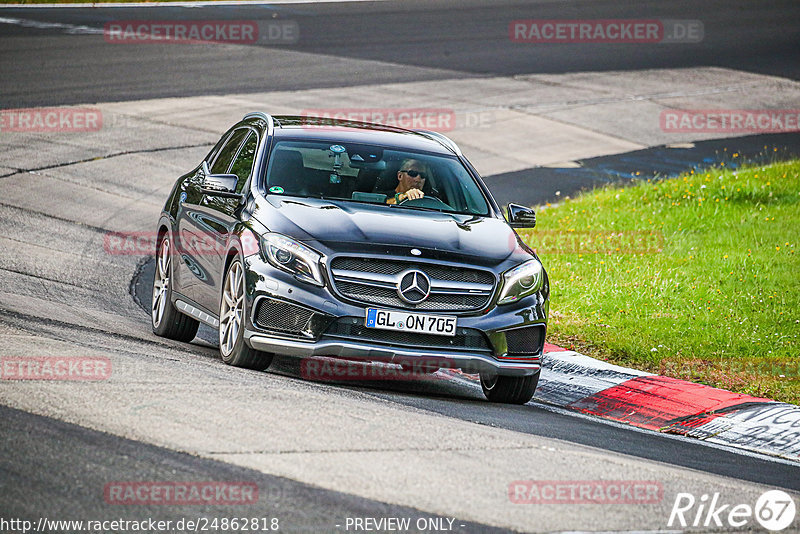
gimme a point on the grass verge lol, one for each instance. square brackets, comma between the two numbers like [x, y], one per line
[695, 277]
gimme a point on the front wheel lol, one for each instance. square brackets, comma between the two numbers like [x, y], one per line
[232, 348]
[509, 389]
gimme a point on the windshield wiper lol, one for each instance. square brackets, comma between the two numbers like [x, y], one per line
[423, 208]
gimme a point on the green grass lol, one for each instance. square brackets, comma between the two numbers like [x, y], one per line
[695, 277]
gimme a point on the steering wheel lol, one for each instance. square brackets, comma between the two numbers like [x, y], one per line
[426, 202]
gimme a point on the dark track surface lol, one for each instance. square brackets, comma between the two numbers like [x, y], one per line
[424, 39]
[538, 185]
[42, 476]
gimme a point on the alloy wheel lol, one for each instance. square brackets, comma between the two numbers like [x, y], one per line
[161, 283]
[230, 321]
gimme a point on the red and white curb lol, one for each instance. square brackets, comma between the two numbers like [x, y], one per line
[583, 384]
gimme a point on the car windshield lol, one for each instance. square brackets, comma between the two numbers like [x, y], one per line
[365, 173]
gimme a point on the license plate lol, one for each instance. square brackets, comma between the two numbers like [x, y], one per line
[422, 323]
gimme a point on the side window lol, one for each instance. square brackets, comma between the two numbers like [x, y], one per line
[225, 156]
[243, 164]
[214, 151]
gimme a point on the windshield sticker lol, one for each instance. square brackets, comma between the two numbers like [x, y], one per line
[276, 189]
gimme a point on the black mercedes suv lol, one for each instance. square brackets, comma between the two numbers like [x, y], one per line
[295, 236]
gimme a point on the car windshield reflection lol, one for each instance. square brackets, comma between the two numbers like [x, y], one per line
[375, 175]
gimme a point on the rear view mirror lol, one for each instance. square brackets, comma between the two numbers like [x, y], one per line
[364, 156]
[223, 185]
[521, 217]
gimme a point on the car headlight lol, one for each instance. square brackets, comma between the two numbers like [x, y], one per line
[293, 257]
[521, 281]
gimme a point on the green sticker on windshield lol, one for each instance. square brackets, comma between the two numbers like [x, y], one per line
[276, 189]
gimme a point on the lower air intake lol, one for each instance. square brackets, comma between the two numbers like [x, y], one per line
[525, 342]
[278, 316]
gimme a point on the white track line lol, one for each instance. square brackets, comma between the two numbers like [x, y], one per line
[69, 28]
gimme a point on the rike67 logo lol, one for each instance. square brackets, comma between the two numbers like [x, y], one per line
[774, 510]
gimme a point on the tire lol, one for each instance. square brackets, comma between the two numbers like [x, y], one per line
[509, 389]
[232, 348]
[165, 319]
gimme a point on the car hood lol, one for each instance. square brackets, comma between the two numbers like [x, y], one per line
[334, 224]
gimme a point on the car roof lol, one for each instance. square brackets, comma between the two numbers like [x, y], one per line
[345, 131]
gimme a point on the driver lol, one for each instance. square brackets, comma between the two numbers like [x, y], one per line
[410, 181]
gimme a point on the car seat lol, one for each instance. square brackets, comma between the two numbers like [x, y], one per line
[287, 171]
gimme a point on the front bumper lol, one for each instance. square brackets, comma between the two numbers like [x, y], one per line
[469, 362]
[266, 283]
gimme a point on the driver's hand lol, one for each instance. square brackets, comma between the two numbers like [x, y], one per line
[412, 194]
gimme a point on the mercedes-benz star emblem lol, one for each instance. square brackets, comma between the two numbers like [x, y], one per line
[414, 286]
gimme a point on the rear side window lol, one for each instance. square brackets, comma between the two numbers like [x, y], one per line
[214, 151]
[243, 164]
[226, 155]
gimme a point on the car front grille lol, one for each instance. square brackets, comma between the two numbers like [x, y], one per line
[352, 328]
[525, 342]
[374, 281]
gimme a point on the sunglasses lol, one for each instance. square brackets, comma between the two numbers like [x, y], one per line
[414, 174]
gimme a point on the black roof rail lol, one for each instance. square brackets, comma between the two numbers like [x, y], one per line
[442, 139]
[264, 116]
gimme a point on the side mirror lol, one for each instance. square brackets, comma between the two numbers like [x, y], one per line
[521, 217]
[221, 185]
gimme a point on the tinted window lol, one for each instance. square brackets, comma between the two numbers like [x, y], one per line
[363, 173]
[243, 164]
[214, 151]
[227, 153]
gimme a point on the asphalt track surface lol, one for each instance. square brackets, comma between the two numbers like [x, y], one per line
[55, 468]
[43, 478]
[660, 162]
[340, 44]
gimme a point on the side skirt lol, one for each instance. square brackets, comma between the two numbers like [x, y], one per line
[190, 308]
